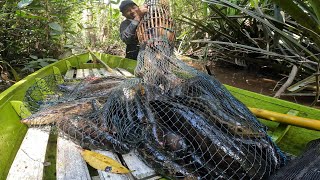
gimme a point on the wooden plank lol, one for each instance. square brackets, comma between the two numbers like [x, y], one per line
[91, 73]
[139, 168]
[114, 73]
[79, 74]
[29, 161]
[107, 175]
[117, 73]
[69, 74]
[105, 73]
[125, 72]
[154, 178]
[95, 178]
[86, 73]
[96, 73]
[70, 164]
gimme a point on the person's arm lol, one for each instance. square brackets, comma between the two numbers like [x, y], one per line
[128, 27]
[128, 31]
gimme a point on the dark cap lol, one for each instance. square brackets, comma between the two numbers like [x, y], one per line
[125, 3]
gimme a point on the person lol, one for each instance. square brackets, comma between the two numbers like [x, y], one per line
[128, 27]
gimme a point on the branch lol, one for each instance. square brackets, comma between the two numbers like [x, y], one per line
[290, 79]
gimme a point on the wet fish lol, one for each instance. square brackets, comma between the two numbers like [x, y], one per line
[213, 91]
[206, 169]
[221, 148]
[175, 142]
[164, 164]
[218, 147]
[90, 136]
[91, 87]
[220, 118]
[59, 112]
[148, 112]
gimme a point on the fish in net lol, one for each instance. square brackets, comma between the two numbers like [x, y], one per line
[182, 122]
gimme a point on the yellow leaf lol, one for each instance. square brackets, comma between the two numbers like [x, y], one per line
[102, 162]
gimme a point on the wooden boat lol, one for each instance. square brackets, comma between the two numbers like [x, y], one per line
[30, 153]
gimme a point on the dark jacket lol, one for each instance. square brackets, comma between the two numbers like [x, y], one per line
[128, 35]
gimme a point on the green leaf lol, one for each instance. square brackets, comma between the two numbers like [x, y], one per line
[299, 15]
[205, 9]
[315, 4]
[25, 14]
[284, 35]
[80, 26]
[44, 63]
[116, 13]
[68, 46]
[50, 59]
[24, 3]
[13, 71]
[55, 33]
[55, 26]
[33, 57]
[4, 14]
[115, 2]
[32, 63]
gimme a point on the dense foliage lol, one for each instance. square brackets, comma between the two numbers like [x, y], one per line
[279, 35]
[34, 33]
[273, 33]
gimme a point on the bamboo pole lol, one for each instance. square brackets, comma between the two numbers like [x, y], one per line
[95, 58]
[312, 124]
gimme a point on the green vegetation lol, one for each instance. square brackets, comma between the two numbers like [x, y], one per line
[273, 33]
[35, 33]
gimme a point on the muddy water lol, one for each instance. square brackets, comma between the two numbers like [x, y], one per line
[261, 81]
[242, 78]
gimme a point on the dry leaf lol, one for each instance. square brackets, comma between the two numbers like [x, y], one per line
[102, 162]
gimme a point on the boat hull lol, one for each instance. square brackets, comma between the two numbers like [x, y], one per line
[289, 138]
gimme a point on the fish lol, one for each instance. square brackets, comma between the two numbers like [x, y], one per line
[91, 87]
[90, 136]
[207, 87]
[206, 169]
[59, 112]
[222, 150]
[218, 147]
[220, 117]
[148, 113]
[153, 124]
[175, 142]
[102, 84]
[164, 164]
[120, 114]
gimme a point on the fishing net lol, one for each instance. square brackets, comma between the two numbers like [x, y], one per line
[182, 122]
[306, 166]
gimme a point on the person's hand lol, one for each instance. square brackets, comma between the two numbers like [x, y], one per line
[140, 12]
[137, 17]
[144, 9]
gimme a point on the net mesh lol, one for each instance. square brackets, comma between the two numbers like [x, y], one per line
[306, 166]
[182, 122]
